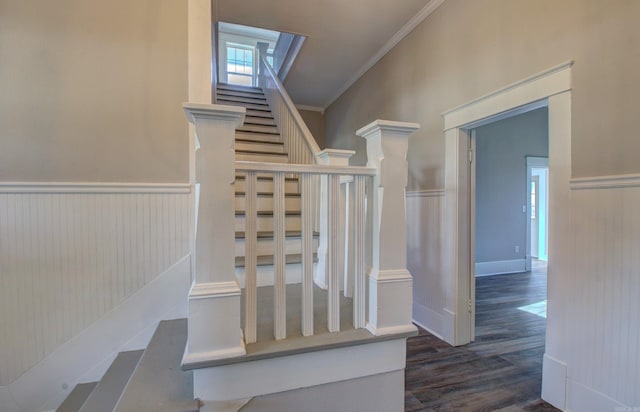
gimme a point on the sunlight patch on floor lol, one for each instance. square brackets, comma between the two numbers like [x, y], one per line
[538, 308]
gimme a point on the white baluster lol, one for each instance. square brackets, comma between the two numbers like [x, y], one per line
[250, 259]
[279, 284]
[333, 317]
[347, 192]
[359, 287]
[307, 254]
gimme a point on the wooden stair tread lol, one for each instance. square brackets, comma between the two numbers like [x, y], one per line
[260, 142]
[106, 394]
[269, 194]
[158, 383]
[237, 87]
[257, 132]
[74, 401]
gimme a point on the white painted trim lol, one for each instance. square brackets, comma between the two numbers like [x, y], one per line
[500, 267]
[391, 276]
[386, 48]
[94, 187]
[554, 381]
[428, 319]
[41, 387]
[310, 108]
[214, 290]
[200, 357]
[264, 167]
[198, 111]
[390, 126]
[605, 182]
[585, 399]
[249, 379]
[391, 330]
[553, 86]
[530, 90]
[424, 193]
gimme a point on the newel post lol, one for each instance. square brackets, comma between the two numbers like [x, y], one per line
[214, 298]
[390, 283]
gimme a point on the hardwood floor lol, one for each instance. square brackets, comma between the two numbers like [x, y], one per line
[501, 370]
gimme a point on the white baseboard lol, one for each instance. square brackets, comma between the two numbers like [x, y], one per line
[500, 267]
[449, 326]
[428, 319]
[581, 398]
[554, 378]
[87, 356]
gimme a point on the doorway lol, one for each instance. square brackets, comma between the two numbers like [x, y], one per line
[537, 209]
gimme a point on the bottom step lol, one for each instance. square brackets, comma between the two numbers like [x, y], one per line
[77, 397]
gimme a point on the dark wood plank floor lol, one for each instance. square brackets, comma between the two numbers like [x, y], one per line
[501, 370]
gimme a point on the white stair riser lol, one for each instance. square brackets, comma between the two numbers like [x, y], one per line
[261, 157]
[265, 223]
[292, 245]
[290, 186]
[239, 93]
[258, 107]
[259, 113]
[257, 137]
[243, 100]
[259, 146]
[259, 120]
[258, 128]
[291, 203]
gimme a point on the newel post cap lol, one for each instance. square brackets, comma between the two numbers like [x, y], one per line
[202, 111]
[397, 128]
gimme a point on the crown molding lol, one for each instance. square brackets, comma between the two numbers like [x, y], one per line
[310, 108]
[390, 44]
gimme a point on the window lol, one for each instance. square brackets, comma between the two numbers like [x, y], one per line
[240, 64]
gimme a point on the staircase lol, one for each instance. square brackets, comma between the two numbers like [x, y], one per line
[258, 140]
[142, 380]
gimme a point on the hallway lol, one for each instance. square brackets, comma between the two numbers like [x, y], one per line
[502, 369]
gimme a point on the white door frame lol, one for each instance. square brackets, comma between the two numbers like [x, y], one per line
[551, 88]
[533, 162]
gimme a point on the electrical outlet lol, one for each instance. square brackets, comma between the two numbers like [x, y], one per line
[517, 249]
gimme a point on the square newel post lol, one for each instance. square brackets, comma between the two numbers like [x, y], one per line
[330, 157]
[390, 283]
[214, 298]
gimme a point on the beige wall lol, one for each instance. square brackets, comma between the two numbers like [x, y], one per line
[315, 123]
[92, 90]
[466, 49]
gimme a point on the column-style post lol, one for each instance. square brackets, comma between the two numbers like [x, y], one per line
[331, 157]
[262, 52]
[390, 283]
[214, 298]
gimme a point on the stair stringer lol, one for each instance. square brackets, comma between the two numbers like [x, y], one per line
[88, 355]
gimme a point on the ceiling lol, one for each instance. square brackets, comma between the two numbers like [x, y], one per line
[344, 37]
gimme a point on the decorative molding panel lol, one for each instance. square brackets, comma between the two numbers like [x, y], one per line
[69, 253]
[424, 257]
[601, 298]
[93, 187]
[606, 182]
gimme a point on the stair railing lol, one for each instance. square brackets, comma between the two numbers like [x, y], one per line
[336, 271]
[381, 284]
[298, 140]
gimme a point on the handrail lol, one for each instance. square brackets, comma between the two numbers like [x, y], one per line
[260, 167]
[305, 133]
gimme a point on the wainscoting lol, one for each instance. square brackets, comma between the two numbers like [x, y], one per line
[603, 294]
[424, 257]
[70, 253]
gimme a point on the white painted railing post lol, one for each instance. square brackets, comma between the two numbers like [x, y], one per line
[390, 283]
[214, 299]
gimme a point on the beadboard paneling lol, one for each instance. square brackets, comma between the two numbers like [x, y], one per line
[604, 300]
[424, 257]
[69, 256]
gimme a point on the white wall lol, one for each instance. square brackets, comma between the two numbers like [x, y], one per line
[501, 183]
